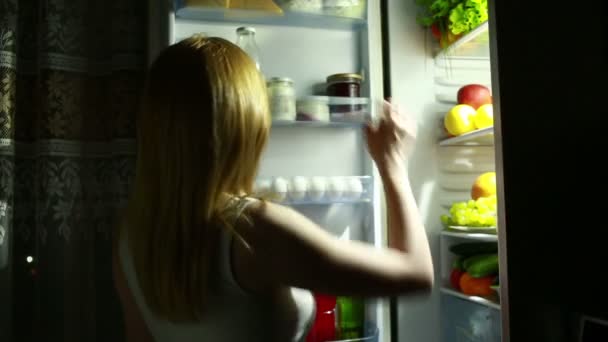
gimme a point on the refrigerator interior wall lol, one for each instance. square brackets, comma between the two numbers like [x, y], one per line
[308, 55]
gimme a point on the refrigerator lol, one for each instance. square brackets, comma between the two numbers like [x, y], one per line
[396, 57]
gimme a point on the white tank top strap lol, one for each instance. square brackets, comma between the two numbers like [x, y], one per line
[226, 236]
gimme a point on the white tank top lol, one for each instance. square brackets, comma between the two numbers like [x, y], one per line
[234, 315]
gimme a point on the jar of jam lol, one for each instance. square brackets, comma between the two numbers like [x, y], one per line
[344, 85]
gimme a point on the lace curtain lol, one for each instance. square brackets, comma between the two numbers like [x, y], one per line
[71, 73]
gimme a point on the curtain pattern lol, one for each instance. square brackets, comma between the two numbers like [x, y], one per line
[71, 73]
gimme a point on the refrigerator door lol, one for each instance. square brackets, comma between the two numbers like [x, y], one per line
[307, 47]
[425, 81]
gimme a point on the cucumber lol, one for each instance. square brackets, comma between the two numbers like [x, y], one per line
[457, 264]
[481, 266]
[474, 248]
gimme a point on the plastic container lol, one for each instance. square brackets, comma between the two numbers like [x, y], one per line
[349, 109]
[345, 8]
[282, 99]
[313, 108]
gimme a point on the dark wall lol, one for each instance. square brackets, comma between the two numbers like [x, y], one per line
[553, 98]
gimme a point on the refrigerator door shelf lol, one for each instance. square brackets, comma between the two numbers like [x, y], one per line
[371, 334]
[300, 190]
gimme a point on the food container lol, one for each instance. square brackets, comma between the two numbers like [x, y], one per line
[345, 8]
[282, 99]
[313, 108]
[344, 85]
[349, 109]
[298, 187]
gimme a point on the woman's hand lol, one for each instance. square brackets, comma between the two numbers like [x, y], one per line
[392, 139]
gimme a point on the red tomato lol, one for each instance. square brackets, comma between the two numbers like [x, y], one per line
[476, 286]
[455, 278]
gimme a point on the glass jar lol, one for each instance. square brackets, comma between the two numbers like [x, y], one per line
[344, 85]
[245, 39]
[282, 98]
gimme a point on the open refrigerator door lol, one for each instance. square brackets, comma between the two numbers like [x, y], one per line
[323, 64]
[446, 85]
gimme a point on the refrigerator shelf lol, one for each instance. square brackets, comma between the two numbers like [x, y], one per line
[315, 124]
[491, 302]
[470, 236]
[323, 20]
[315, 190]
[479, 137]
[473, 45]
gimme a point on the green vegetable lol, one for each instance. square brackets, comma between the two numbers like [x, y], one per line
[468, 249]
[457, 264]
[459, 16]
[480, 266]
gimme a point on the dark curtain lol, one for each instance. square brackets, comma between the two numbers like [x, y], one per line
[71, 73]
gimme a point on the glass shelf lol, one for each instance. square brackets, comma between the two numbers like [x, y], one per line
[325, 20]
[491, 302]
[470, 236]
[473, 45]
[483, 137]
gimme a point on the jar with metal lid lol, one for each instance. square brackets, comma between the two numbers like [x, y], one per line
[344, 85]
[282, 98]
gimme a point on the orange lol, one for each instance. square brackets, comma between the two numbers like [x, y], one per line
[484, 185]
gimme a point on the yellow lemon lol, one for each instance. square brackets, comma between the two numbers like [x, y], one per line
[484, 117]
[459, 119]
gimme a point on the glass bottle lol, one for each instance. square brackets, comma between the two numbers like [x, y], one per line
[246, 41]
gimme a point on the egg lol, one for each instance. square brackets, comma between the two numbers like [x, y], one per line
[262, 186]
[298, 188]
[335, 188]
[354, 188]
[317, 187]
[279, 188]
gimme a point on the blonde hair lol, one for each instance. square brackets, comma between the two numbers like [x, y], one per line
[203, 125]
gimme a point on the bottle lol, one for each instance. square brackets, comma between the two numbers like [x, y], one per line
[246, 41]
[351, 315]
[324, 325]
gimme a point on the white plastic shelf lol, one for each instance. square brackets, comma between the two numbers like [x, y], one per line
[491, 302]
[473, 45]
[480, 137]
[470, 236]
[256, 17]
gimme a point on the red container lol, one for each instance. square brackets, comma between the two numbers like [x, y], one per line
[324, 325]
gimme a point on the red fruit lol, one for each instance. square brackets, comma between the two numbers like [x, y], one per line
[474, 95]
[455, 278]
[435, 31]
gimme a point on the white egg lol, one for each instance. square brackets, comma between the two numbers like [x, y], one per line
[298, 188]
[317, 188]
[279, 188]
[335, 188]
[354, 187]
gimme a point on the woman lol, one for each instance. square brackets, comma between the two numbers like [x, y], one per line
[197, 258]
